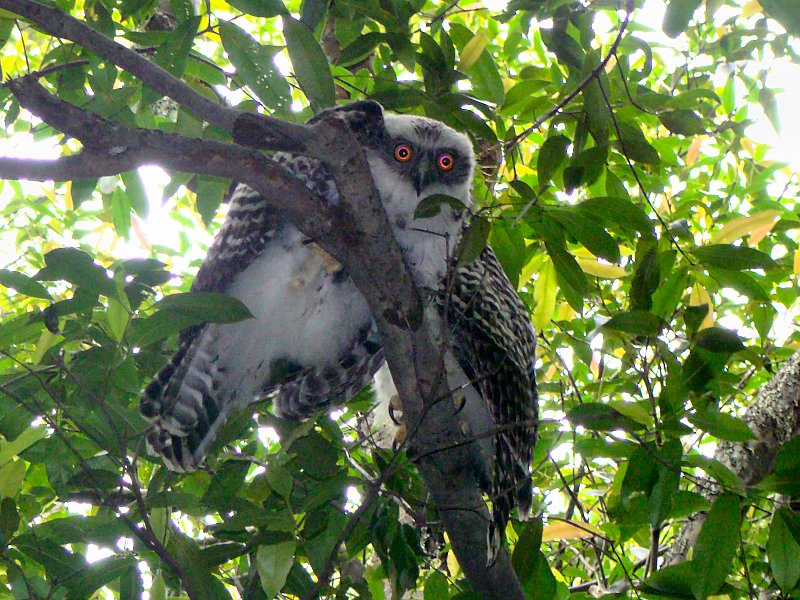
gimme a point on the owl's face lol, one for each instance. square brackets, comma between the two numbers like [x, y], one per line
[428, 154]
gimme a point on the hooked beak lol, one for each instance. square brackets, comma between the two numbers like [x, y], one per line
[422, 179]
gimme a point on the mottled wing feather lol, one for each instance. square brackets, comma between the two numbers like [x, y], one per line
[496, 345]
[323, 388]
[183, 401]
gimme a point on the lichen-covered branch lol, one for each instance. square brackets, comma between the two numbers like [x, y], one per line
[774, 418]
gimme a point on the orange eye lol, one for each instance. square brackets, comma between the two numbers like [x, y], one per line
[446, 161]
[402, 153]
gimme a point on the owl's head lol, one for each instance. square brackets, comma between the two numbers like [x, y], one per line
[424, 154]
[411, 158]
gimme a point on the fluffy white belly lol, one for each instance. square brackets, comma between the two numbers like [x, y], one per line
[304, 313]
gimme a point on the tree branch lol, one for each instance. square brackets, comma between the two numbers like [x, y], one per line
[774, 417]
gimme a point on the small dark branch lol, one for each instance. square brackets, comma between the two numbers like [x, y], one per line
[112, 148]
[581, 86]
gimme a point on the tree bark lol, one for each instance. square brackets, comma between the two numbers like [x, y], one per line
[774, 417]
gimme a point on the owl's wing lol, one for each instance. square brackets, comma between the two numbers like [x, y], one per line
[496, 346]
[217, 368]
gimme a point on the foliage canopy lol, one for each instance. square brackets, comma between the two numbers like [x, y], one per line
[655, 246]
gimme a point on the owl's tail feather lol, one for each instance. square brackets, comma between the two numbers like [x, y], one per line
[323, 388]
[509, 492]
[184, 406]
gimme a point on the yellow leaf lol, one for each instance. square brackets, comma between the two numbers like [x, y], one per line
[742, 226]
[565, 312]
[747, 144]
[568, 530]
[601, 269]
[452, 561]
[759, 234]
[694, 150]
[698, 297]
[472, 51]
[544, 294]
[797, 262]
[751, 8]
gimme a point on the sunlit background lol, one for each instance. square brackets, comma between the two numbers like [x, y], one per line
[161, 227]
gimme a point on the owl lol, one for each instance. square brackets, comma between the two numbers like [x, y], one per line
[312, 343]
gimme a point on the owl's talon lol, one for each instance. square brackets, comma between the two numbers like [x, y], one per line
[399, 437]
[392, 415]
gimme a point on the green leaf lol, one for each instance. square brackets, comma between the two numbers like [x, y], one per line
[662, 495]
[474, 241]
[179, 311]
[436, 587]
[722, 425]
[551, 155]
[636, 322]
[260, 8]
[783, 551]
[568, 270]
[646, 278]
[785, 12]
[678, 15]
[158, 589]
[25, 440]
[586, 230]
[254, 65]
[121, 212]
[98, 574]
[738, 258]
[598, 117]
[716, 545]
[674, 581]
[23, 284]
[744, 283]
[641, 474]
[620, 212]
[210, 193]
[527, 554]
[430, 206]
[9, 518]
[683, 122]
[361, 47]
[134, 188]
[721, 474]
[213, 307]
[566, 49]
[601, 417]
[767, 100]
[12, 474]
[717, 339]
[172, 54]
[309, 64]
[78, 268]
[788, 457]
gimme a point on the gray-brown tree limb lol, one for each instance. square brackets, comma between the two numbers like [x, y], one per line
[356, 232]
[774, 418]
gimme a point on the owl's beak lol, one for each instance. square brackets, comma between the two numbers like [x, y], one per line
[422, 178]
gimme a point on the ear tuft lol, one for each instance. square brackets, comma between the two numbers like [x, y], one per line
[359, 115]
